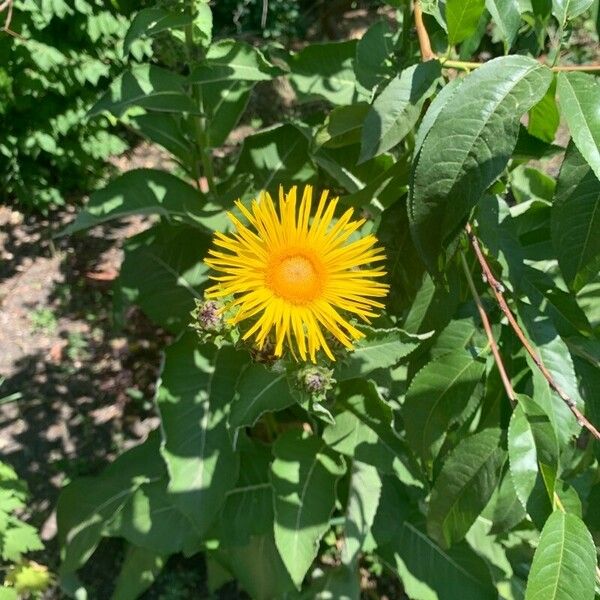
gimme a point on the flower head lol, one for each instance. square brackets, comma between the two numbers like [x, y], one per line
[298, 277]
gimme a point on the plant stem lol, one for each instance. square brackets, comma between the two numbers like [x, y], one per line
[497, 289]
[510, 392]
[199, 121]
[424, 43]
[462, 65]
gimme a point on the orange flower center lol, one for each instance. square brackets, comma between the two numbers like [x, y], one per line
[295, 277]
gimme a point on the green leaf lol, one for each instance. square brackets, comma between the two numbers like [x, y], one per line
[151, 521]
[151, 21]
[372, 53]
[363, 500]
[544, 117]
[440, 396]
[149, 87]
[363, 428]
[225, 103]
[427, 571]
[565, 10]
[167, 130]
[507, 510]
[139, 570]
[462, 17]
[229, 60]
[564, 563]
[146, 192]
[163, 272]
[474, 135]
[88, 504]
[396, 110]
[196, 388]
[304, 476]
[343, 126]
[576, 220]
[533, 455]
[379, 349]
[259, 390]
[464, 486]
[507, 17]
[276, 156]
[326, 70]
[578, 94]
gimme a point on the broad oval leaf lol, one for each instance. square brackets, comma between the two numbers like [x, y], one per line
[440, 396]
[575, 219]
[304, 475]
[564, 564]
[152, 21]
[196, 388]
[464, 486]
[578, 95]
[475, 133]
[259, 390]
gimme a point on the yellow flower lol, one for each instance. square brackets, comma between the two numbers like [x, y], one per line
[297, 275]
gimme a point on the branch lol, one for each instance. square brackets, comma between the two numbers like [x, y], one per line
[510, 392]
[498, 290]
[463, 65]
[424, 44]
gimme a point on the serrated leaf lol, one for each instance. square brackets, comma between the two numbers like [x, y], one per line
[259, 390]
[464, 486]
[197, 386]
[575, 219]
[440, 396]
[565, 10]
[578, 95]
[146, 192]
[149, 87]
[564, 563]
[507, 17]
[474, 135]
[229, 60]
[379, 349]
[396, 110]
[304, 475]
[533, 456]
[462, 17]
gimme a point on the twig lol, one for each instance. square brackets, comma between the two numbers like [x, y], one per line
[463, 65]
[498, 290]
[510, 392]
[424, 44]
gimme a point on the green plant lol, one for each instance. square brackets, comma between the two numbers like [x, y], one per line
[55, 58]
[43, 319]
[23, 578]
[455, 446]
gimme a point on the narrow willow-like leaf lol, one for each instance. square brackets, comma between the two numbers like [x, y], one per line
[464, 486]
[533, 456]
[507, 16]
[475, 133]
[152, 21]
[462, 17]
[564, 564]
[439, 396]
[578, 95]
[196, 388]
[304, 476]
[576, 220]
[565, 10]
[397, 108]
[544, 117]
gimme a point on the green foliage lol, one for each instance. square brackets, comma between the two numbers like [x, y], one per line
[410, 452]
[53, 69]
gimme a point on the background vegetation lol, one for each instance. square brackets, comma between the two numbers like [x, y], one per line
[454, 453]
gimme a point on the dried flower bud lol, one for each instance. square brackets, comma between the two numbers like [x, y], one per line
[316, 380]
[208, 319]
